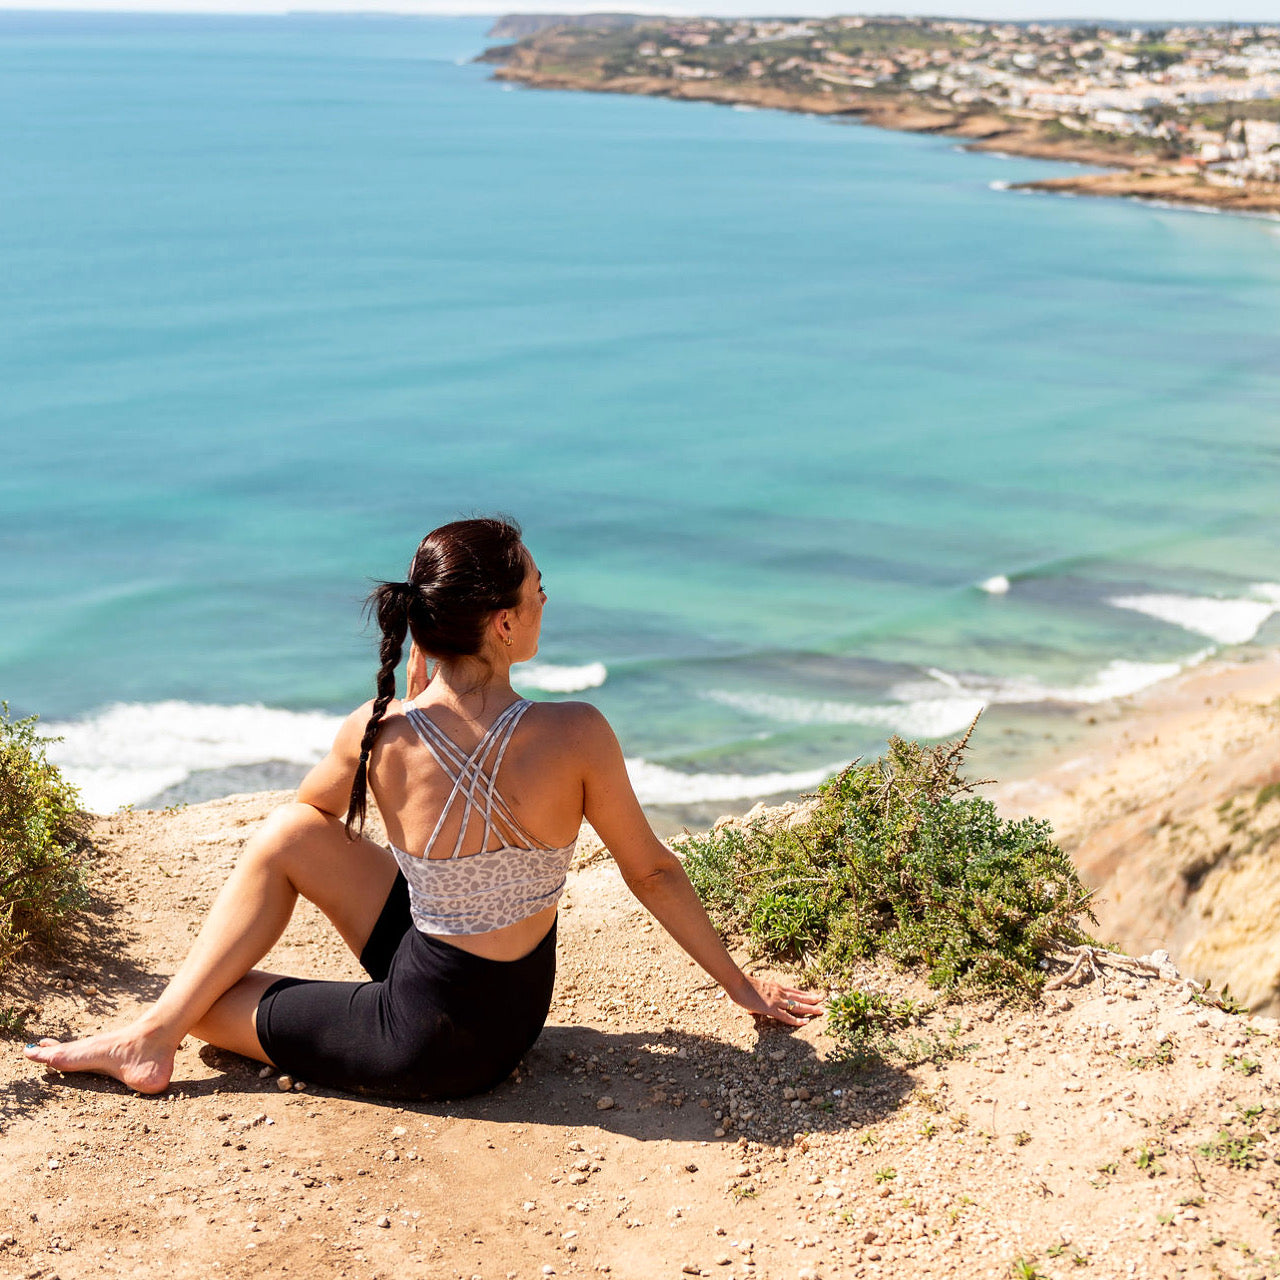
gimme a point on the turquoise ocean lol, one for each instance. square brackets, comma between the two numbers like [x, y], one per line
[818, 433]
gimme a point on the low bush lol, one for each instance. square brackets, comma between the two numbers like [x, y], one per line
[42, 839]
[898, 858]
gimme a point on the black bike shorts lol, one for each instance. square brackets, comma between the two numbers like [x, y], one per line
[435, 1022]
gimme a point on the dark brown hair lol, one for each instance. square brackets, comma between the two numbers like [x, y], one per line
[461, 575]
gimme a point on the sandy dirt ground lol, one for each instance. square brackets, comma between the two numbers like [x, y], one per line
[1117, 1127]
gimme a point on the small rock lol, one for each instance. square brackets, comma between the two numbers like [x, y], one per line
[548, 1269]
[723, 1260]
[299, 1086]
[284, 1083]
[604, 1103]
[265, 1073]
[691, 1269]
[399, 1131]
[1024, 1106]
[383, 1221]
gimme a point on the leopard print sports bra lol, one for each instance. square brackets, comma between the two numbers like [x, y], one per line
[495, 887]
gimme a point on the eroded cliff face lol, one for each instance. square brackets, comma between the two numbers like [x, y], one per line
[1179, 833]
[1203, 878]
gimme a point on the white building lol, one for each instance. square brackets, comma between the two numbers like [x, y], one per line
[1261, 136]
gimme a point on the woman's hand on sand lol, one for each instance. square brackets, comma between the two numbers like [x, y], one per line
[784, 1004]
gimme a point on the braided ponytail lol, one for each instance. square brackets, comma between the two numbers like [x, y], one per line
[391, 603]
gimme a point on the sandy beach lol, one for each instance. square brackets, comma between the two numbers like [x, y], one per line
[655, 1130]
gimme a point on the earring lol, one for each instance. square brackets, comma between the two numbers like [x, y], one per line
[507, 641]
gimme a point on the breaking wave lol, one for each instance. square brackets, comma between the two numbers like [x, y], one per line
[921, 708]
[656, 784]
[1226, 621]
[550, 678]
[924, 717]
[128, 753]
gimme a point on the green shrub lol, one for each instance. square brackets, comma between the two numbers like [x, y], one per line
[42, 839]
[898, 858]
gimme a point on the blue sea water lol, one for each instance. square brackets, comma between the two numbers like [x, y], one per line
[817, 434]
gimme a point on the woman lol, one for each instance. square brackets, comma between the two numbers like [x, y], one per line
[482, 794]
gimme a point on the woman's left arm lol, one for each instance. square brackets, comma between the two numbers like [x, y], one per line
[654, 874]
[328, 786]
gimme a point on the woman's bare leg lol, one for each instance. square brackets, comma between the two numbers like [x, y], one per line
[299, 851]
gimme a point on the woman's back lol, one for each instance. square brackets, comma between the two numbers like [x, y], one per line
[505, 788]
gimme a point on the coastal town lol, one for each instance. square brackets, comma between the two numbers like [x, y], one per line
[1190, 111]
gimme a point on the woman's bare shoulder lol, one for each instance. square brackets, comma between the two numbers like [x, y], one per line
[566, 714]
[573, 723]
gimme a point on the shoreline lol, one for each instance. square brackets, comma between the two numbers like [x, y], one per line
[1168, 803]
[1129, 176]
[1165, 190]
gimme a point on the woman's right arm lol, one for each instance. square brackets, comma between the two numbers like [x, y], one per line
[654, 874]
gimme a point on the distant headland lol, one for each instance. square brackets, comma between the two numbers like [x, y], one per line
[1187, 114]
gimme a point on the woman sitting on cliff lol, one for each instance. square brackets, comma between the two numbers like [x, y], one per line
[482, 794]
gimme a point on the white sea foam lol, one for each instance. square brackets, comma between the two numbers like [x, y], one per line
[1226, 621]
[551, 678]
[1118, 679]
[129, 752]
[998, 185]
[996, 586]
[920, 709]
[656, 784]
[916, 717]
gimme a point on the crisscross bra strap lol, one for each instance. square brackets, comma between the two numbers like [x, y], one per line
[475, 777]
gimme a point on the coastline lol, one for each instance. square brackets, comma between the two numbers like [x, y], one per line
[1130, 176]
[1167, 801]
[1254, 199]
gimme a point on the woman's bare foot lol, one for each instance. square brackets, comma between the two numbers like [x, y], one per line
[135, 1056]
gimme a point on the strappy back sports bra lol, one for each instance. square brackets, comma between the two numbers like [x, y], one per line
[495, 887]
